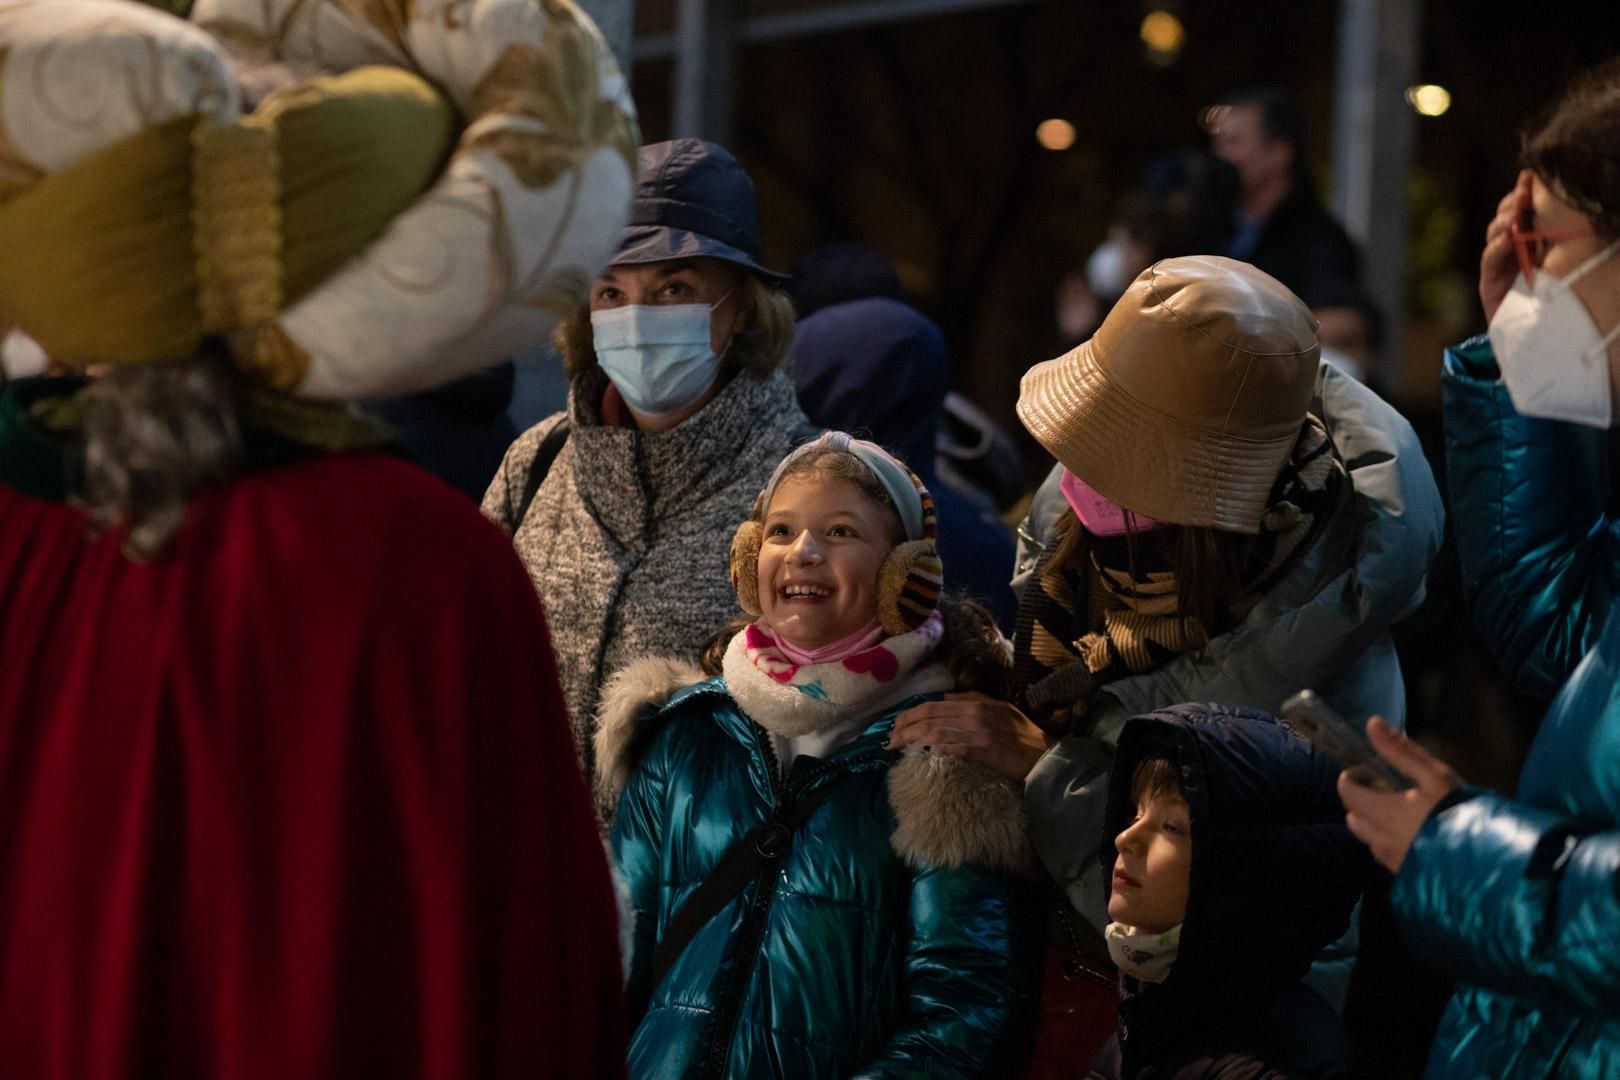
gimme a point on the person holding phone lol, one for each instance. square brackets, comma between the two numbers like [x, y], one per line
[1518, 898]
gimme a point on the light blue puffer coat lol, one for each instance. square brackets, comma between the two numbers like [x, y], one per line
[1520, 898]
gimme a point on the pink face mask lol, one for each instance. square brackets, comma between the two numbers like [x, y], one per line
[1096, 513]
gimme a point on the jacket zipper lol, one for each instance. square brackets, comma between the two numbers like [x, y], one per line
[753, 930]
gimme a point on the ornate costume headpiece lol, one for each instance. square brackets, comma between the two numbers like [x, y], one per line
[430, 185]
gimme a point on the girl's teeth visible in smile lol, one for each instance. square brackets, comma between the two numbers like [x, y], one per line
[804, 590]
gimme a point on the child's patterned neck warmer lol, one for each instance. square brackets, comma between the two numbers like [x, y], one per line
[861, 640]
[791, 699]
[1147, 957]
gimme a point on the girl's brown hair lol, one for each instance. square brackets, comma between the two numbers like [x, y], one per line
[759, 346]
[840, 466]
[1209, 565]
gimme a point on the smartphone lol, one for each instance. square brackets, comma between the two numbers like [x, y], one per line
[1340, 740]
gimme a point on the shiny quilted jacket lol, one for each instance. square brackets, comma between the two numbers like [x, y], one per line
[1520, 898]
[843, 961]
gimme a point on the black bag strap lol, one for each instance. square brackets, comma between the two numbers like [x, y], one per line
[539, 466]
[741, 863]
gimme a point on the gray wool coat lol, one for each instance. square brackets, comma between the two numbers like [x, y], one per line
[628, 538]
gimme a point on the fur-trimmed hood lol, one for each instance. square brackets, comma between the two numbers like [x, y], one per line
[631, 699]
[948, 811]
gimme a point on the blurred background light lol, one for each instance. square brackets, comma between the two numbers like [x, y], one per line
[1163, 35]
[1162, 32]
[1428, 99]
[1055, 134]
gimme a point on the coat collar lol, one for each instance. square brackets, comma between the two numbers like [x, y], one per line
[948, 812]
[632, 480]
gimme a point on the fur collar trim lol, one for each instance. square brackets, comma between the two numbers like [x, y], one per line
[626, 698]
[950, 812]
[790, 700]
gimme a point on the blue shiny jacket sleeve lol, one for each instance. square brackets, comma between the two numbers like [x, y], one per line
[972, 968]
[637, 841]
[1514, 898]
[1538, 553]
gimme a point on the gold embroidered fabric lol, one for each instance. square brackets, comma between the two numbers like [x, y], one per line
[236, 224]
[267, 354]
[425, 194]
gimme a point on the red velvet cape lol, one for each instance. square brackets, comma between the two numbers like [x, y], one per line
[297, 800]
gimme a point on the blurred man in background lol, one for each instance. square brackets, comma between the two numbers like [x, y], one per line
[1276, 221]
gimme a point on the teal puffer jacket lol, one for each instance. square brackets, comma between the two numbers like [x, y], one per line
[1520, 899]
[882, 945]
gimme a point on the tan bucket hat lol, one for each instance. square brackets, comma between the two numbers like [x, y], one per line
[1185, 404]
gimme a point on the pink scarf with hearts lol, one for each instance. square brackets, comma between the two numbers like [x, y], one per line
[792, 699]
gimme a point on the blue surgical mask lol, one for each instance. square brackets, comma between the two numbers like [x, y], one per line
[658, 355]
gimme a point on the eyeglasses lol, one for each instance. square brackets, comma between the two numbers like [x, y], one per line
[1527, 244]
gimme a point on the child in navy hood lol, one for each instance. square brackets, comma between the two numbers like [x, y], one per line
[1233, 870]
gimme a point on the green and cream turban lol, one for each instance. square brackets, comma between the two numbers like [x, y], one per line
[429, 187]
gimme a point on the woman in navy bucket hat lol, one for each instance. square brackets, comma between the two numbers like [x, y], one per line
[693, 200]
[622, 507]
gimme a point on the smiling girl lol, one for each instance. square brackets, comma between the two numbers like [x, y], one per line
[809, 902]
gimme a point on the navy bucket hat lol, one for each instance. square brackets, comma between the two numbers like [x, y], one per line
[692, 200]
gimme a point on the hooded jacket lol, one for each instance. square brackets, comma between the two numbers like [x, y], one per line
[879, 366]
[894, 939]
[460, 431]
[1274, 876]
[1519, 898]
[1324, 625]
[628, 536]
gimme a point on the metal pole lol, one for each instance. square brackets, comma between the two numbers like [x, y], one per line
[1372, 148]
[705, 58]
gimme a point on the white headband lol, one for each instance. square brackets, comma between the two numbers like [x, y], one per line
[896, 479]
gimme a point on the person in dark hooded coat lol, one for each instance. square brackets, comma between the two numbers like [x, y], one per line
[878, 366]
[460, 431]
[1273, 877]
